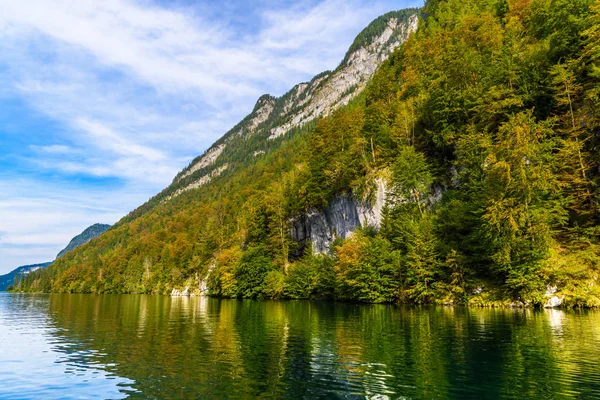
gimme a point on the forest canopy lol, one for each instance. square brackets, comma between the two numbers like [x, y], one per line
[485, 125]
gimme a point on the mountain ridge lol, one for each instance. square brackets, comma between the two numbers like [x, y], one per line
[8, 279]
[88, 234]
[272, 118]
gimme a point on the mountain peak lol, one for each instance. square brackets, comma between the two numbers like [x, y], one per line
[384, 34]
[88, 234]
[262, 100]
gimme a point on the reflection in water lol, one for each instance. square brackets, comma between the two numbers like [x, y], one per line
[39, 360]
[113, 346]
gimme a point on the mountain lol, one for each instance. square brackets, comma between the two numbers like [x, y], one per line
[88, 234]
[275, 119]
[7, 280]
[84, 237]
[274, 125]
[459, 166]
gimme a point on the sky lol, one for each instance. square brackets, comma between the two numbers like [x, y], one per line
[103, 102]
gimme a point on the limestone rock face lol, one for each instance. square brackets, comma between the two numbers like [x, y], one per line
[338, 220]
[338, 88]
[553, 302]
[203, 180]
[262, 111]
[273, 117]
[207, 160]
[180, 293]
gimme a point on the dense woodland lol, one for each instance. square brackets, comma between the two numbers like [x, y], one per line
[486, 126]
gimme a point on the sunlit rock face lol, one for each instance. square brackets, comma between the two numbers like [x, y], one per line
[273, 117]
[333, 90]
[339, 219]
[207, 160]
[553, 300]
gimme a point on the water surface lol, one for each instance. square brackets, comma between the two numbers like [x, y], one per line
[130, 346]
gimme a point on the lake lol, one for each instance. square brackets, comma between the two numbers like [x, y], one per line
[136, 346]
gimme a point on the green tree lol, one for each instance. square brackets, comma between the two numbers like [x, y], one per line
[523, 205]
[367, 270]
[251, 272]
[411, 177]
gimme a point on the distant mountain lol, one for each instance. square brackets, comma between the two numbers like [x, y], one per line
[84, 237]
[88, 234]
[8, 279]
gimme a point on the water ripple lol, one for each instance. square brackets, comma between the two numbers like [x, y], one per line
[78, 346]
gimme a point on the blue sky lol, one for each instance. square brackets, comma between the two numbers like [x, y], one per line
[102, 103]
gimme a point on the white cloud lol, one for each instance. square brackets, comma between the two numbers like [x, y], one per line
[105, 138]
[54, 149]
[297, 27]
[157, 45]
[39, 219]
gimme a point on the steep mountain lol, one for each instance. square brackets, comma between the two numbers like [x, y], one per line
[7, 280]
[273, 125]
[463, 170]
[88, 234]
[274, 119]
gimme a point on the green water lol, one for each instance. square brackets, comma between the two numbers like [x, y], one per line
[110, 346]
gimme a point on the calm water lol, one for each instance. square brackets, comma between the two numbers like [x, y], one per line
[85, 346]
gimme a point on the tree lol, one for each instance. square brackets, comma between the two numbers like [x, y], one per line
[251, 272]
[572, 156]
[523, 203]
[421, 262]
[411, 178]
[367, 269]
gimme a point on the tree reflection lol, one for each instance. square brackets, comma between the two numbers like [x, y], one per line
[203, 347]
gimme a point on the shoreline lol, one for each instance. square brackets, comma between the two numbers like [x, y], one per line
[500, 304]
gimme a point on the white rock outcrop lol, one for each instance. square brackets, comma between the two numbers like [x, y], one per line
[207, 160]
[180, 293]
[370, 213]
[340, 87]
[261, 114]
[553, 300]
[338, 220]
[203, 180]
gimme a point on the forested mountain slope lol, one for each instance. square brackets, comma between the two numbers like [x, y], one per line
[88, 234]
[273, 120]
[466, 171]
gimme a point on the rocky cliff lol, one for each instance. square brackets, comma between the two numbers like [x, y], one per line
[339, 219]
[275, 117]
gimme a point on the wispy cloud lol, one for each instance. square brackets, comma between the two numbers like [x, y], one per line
[39, 218]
